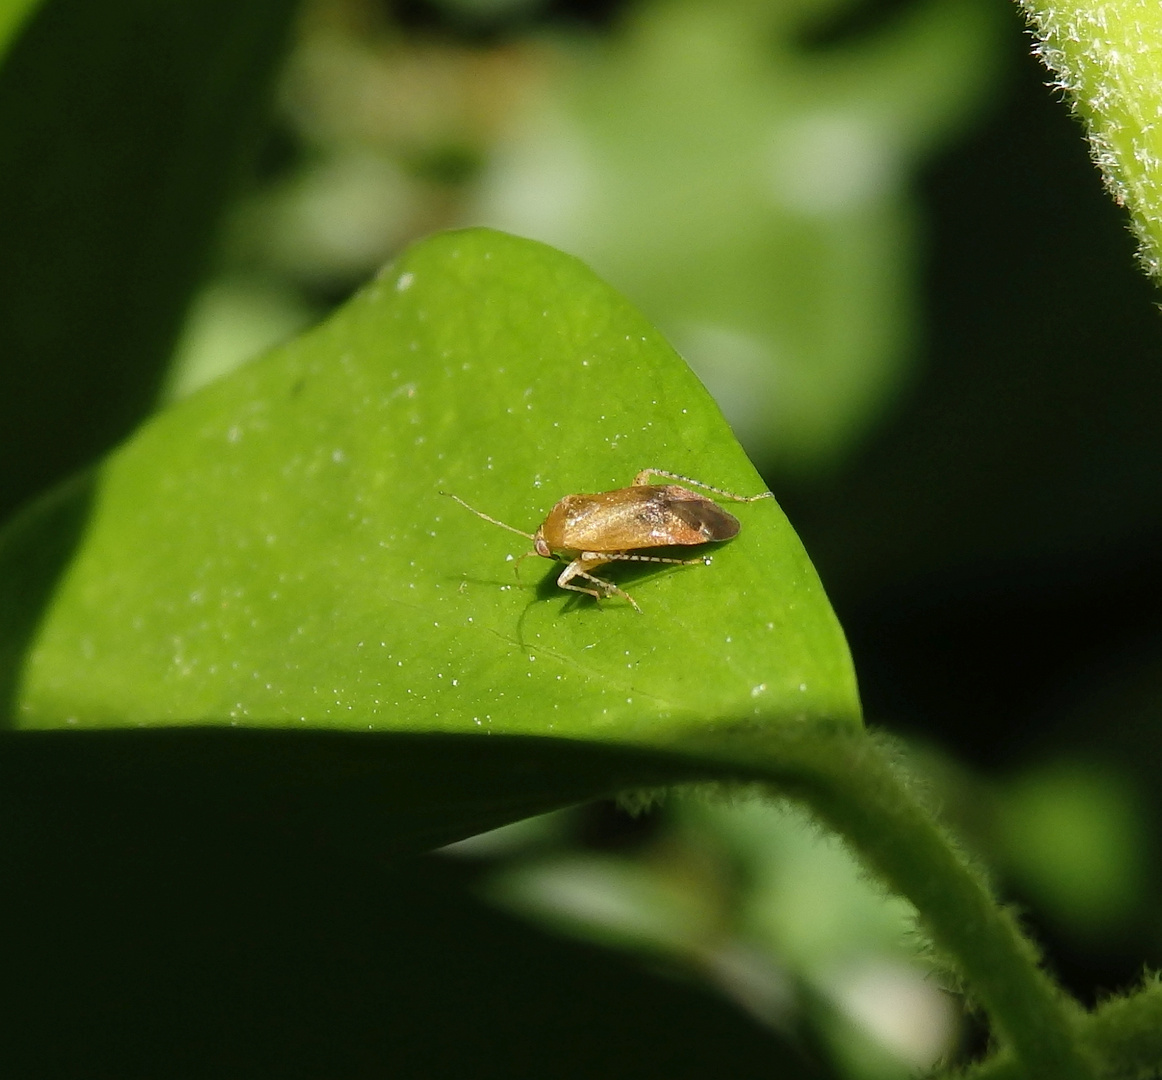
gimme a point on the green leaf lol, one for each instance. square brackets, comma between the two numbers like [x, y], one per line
[276, 550]
[123, 126]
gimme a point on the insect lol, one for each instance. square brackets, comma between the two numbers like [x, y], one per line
[588, 531]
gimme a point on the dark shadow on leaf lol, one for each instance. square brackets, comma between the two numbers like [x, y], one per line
[35, 549]
[123, 128]
[233, 903]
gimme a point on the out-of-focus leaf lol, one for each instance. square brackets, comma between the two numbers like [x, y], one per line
[228, 797]
[33, 549]
[13, 14]
[1072, 833]
[122, 126]
[304, 962]
[752, 195]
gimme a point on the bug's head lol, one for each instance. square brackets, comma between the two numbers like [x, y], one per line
[541, 545]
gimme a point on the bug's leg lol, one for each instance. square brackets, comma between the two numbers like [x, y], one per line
[580, 566]
[643, 477]
[621, 556]
[624, 557]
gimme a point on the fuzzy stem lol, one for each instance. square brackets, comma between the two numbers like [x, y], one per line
[848, 781]
[1107, 55]
[1126, 1032]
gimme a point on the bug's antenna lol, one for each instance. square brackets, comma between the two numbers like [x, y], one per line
[480, 514]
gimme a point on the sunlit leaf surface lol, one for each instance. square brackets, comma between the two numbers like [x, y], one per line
[276, 550]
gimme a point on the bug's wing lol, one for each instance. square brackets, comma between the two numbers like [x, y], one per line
[703, 515]
[636, 517]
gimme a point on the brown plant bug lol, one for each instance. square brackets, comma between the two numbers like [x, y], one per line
[588, 531]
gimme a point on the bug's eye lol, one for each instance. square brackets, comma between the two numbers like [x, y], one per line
[542, 548]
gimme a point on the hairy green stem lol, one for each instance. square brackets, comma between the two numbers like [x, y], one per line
[1126, 1032]
[1107, 56]
[847, 779]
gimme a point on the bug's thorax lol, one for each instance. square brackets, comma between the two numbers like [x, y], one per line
[553, 537]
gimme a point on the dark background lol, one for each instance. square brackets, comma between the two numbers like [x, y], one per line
[994, 553]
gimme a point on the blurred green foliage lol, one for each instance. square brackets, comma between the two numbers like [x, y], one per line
[125, 130]
[755, 901]
[1074, 837]
[12, 16]
[751, 194]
